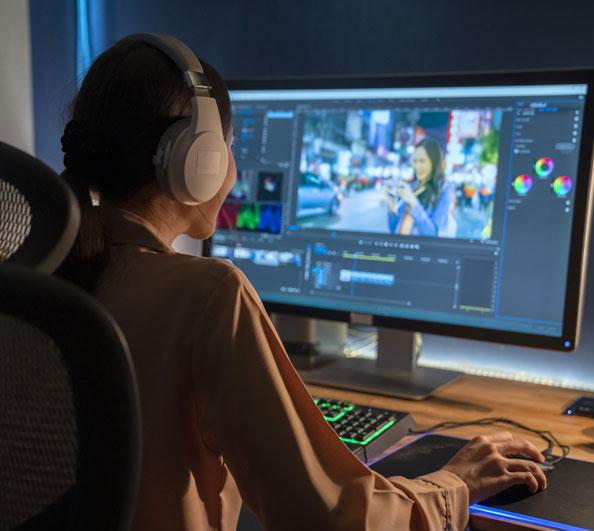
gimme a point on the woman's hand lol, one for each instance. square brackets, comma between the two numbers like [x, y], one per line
[485, 468]
[405, 193]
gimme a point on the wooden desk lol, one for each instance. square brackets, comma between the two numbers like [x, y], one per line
[474, 397]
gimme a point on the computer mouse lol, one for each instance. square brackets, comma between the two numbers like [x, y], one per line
[545, 467]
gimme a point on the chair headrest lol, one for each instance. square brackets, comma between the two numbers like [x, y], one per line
[39, 214]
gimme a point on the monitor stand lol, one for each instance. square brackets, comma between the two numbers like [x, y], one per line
[393, 373]
[311, 343]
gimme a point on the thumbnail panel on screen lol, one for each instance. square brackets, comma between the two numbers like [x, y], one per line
[254, 203]
[408, 173]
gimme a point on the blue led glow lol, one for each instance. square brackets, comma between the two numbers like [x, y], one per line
[515, 517]
[84, 55]
[569, 412]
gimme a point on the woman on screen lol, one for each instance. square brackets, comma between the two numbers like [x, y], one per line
[226, 418]
[424, 207]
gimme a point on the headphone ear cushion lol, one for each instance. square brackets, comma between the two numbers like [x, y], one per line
[165, 160]
[190, 168]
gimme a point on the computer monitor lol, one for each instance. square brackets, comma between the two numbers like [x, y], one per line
[448, 204]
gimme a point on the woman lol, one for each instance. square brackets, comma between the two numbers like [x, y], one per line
[225, 416]
[423, 208]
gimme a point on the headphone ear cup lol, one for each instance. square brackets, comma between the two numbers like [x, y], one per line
[190, 168]
[166, 158]
[205, 166]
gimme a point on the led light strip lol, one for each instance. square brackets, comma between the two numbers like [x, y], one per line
[481, 510]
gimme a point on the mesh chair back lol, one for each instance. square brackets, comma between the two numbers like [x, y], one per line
[39, 214]
[69, 409]
[38, 452]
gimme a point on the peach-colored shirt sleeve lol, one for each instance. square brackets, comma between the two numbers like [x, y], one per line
[290, 467]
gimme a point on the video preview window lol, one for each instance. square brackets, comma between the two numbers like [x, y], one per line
[422, 173]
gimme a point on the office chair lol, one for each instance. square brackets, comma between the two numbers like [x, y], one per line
[69, 409]
[39, 214]
[69, 414]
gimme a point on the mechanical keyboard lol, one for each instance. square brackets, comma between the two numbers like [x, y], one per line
[367, 431]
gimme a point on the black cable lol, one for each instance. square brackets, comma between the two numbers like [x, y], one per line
[207, 247]
[546, 435]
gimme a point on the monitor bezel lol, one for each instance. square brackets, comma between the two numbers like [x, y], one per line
[580, 231]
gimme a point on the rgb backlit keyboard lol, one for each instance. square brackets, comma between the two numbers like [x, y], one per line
[367, 431]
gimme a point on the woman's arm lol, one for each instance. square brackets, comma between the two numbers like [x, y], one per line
[430, 224]
[407, 224]
[290, 467]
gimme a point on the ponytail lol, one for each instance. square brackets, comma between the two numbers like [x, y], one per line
[90, 252]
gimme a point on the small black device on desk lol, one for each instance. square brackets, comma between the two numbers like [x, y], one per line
[565, 505]
[583, 406]
[367, 431]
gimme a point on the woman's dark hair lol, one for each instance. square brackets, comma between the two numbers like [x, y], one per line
[434, 184]
[129, 97]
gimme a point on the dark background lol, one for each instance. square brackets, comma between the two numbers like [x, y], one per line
[255, 38]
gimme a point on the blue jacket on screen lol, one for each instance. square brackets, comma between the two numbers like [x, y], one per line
[427, 221]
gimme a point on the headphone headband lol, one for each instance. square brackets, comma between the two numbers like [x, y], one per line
[181, 55]
[175, 49]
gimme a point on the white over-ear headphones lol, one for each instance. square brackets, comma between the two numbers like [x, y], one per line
[191, 158]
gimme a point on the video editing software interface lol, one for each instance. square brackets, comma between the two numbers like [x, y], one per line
[449, 205]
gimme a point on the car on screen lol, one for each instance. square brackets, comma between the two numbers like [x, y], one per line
[316, 196]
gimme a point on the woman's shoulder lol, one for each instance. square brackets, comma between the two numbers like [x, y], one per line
[215, 279]
[194, 274]
[213, 269]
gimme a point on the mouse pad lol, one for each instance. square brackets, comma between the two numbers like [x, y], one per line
[569, 498]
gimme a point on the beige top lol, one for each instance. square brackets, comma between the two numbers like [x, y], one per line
[225, 415]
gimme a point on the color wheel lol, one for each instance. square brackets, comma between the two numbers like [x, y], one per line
[562, 186]
[544, 167]
[522, 184]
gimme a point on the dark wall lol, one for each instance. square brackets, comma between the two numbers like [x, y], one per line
[320, 37]
[246, 38]
[53, 52]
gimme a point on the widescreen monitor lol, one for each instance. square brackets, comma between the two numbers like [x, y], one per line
[455, 205]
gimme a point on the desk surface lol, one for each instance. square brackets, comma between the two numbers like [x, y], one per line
[473, 397]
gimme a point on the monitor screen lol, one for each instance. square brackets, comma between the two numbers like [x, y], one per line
[450, 205]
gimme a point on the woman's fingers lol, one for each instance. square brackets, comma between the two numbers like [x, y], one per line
[497, 437]
[520, 446]
[522, 465]
[524, 478]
